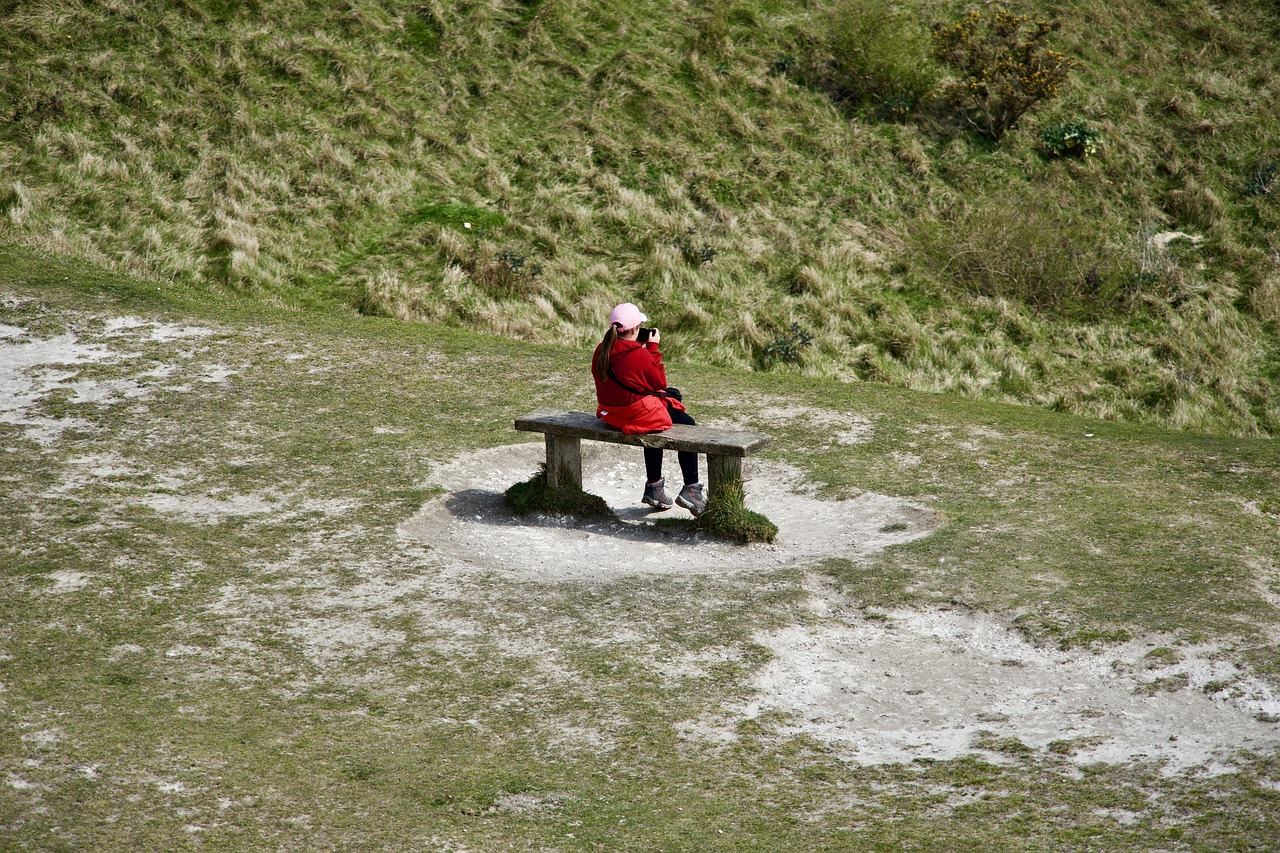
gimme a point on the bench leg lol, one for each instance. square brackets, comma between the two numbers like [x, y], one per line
[564, 462]
[723, 471]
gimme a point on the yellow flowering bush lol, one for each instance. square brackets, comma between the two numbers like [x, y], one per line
[1004, 67]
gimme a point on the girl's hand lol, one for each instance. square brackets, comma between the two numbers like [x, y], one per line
[654, 336]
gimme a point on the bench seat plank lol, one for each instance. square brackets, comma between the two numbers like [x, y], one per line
[699, 439]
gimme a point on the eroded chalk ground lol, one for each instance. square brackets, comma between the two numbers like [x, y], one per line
[471, 524]
[876, 686]
[879, 687]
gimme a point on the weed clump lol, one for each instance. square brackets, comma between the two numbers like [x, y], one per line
[1071, 139]
[727, 517]
[535, 496]
[787, 347]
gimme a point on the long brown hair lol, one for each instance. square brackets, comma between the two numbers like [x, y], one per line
[600, 364]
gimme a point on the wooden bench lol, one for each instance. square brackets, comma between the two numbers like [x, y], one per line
[564, 431]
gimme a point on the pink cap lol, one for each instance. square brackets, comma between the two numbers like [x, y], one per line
[627, 316]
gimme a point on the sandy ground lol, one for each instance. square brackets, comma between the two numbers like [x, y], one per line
[472, 524]
[938, 683]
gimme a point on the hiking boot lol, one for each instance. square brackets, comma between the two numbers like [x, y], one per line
[693, 498]
[656, 496]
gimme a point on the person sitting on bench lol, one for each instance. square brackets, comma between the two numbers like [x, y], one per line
[632, 396]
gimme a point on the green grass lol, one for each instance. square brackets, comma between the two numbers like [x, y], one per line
[328, 157]
[304, 677]
[534, 496]
[727, 517]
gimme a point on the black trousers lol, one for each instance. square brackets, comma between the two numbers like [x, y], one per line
[688, 459]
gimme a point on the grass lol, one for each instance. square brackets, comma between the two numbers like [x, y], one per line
[256, 658]
[329, 157]
[534, 496]
[727, 516]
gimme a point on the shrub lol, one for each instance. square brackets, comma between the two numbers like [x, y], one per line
[787, 347]
[696, 253]
[1016, 246]
[1262, 179]
[503, 274]
[1071, 139]
[1004, 67]
[875, 56]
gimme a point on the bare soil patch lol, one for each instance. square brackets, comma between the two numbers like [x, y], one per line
[472, 525]
[943, 683]
[878, 688]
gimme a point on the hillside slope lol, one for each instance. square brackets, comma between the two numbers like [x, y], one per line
[519, 165]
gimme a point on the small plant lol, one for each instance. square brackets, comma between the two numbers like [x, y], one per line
[894, 107]
[1071, 139]
[787, 346]
[692, 252]
[1171, 684]
[506, 273]
[1004, 66]
[1262, 179]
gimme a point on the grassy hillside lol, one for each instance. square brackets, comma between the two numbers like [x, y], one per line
[518, 166]
[213, 633]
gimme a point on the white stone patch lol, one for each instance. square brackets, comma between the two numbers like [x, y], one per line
[105, 391]
[30, 369]
[217, 373]
[27, 375]
[1164, 238]
[342, 637]
[159, 332]
[44, 738]
[930, 684]
[472, 526]
[843, 428]
[66, 581]
[209, 510]
[79, 471]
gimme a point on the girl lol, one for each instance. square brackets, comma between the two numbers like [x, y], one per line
[631, 395]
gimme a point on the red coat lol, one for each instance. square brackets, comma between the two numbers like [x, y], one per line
[638, 366]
